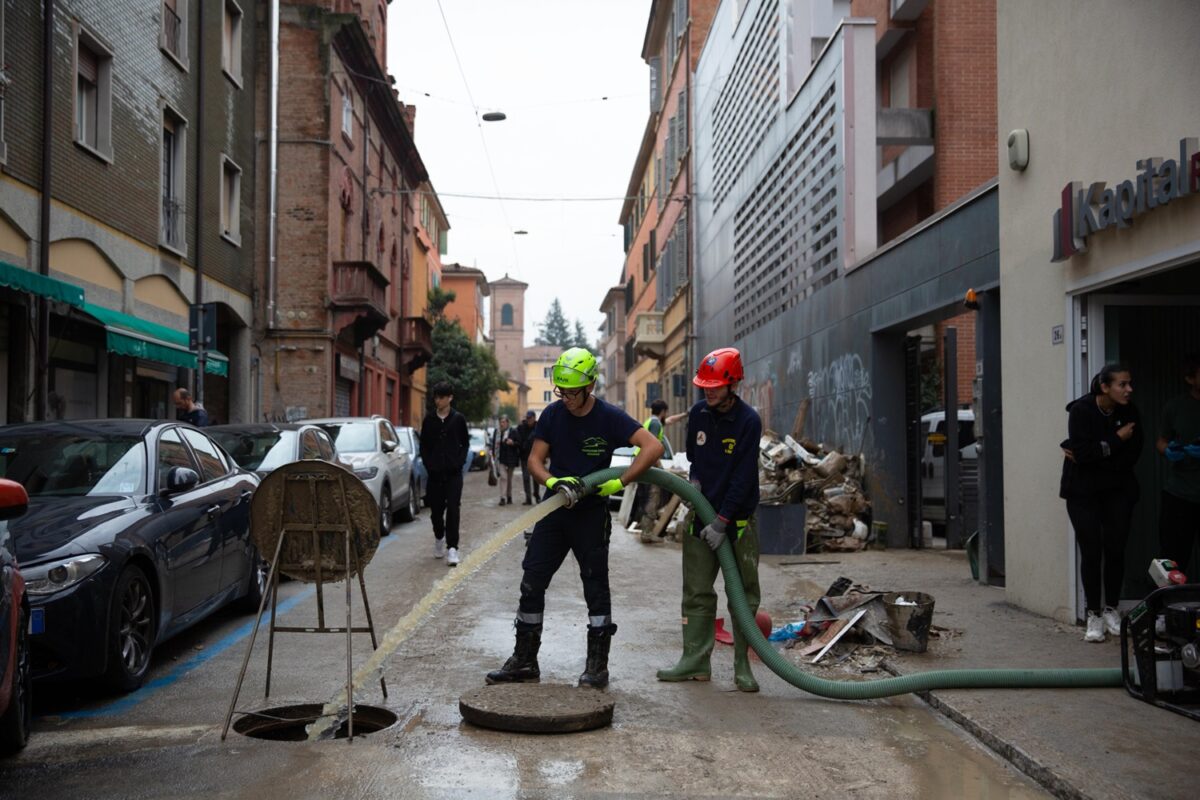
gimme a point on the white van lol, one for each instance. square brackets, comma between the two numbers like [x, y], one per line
[933, 461]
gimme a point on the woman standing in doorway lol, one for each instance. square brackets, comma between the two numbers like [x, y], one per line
[1104, 440]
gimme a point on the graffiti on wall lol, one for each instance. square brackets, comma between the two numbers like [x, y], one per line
[841, 401]
[759, 392]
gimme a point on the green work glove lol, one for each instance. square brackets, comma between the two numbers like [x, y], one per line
[571, 488]
[610, 487]
[713, 533]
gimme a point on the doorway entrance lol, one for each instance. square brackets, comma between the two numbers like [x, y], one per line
[1148, 325]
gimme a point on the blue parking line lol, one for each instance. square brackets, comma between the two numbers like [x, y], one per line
[175, 673]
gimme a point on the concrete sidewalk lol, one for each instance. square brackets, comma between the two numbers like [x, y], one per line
[1095, 743]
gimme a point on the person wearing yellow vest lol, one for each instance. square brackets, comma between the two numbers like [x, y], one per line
[655, 498]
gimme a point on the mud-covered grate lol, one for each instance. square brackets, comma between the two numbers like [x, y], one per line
[289, 723]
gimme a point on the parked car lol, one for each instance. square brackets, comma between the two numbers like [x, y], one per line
[933, 460]
[16, 675]
[477, 454]
[263, 446]
[372, 448]
[136, 530]
[410, 442]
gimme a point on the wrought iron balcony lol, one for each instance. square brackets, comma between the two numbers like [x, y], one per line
[172, 218]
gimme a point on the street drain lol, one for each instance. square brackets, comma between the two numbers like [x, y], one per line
[288, 723]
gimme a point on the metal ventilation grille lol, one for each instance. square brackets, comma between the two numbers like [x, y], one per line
[787, 231]
[749, 101]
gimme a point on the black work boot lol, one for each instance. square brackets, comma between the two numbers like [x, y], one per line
[595, 674]
[522, 666]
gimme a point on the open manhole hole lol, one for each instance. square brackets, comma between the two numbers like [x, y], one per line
[288, 723]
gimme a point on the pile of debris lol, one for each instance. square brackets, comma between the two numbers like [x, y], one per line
[829, 483]
[854, 619]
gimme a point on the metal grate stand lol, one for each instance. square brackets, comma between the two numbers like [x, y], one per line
[352, 564]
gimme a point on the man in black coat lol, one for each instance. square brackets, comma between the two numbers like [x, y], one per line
[444, 444]
[525, 443]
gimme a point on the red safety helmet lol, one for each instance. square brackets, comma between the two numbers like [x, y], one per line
[721, 367]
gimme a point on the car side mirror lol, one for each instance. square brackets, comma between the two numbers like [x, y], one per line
[180, 479]
[14, 500]
[389, 445]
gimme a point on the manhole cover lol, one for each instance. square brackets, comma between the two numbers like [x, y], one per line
[537, 708]
[288, 723]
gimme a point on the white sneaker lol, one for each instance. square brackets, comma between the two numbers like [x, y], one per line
[1095, 628]
[1112, 620]
[439, 548]
[452, 557]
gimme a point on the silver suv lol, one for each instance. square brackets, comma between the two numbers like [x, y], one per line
[372, 448]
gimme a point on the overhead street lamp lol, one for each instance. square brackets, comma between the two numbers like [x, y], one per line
[495, 116]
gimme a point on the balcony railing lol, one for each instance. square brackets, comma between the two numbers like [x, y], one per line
[172, 216]
[416, 342]
[650, 328]
[649, 337]
[358, 284]
[172, 28]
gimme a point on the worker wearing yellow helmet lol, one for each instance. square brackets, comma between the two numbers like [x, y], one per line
[578, 433]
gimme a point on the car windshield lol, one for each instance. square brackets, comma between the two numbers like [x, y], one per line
[477, 440]
[262, 451]
[352, 437]
[57, 465]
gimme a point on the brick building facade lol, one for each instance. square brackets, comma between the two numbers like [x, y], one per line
[336, 337]
[151, 160]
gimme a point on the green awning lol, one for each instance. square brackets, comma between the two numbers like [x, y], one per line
[24, 280]
[130, 336]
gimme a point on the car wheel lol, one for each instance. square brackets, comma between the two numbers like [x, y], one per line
[131, 631]
[385, 511]
[412, 507]
[17, 720]
[258, 584]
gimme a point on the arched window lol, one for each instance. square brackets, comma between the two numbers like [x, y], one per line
[506, 315]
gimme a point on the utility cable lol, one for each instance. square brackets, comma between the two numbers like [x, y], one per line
[487, 154]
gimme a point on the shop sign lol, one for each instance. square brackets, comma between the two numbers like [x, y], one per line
[1092, 209]
[347, 368]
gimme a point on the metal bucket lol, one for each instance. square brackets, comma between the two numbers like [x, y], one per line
[909, 624]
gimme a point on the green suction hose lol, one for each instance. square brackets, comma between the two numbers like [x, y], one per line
[857, 690]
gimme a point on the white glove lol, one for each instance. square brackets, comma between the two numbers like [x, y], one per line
[713, 534]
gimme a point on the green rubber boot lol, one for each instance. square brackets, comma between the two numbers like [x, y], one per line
[742, 675]
[694, 664]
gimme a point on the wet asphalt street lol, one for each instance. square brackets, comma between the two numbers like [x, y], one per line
[667, 740]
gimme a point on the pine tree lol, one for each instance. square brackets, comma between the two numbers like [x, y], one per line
[554, 330]
[581, 339]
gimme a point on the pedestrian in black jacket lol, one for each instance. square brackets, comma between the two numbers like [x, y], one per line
[525, 444]
[444, 444]
[506, 452]
[1104, 440]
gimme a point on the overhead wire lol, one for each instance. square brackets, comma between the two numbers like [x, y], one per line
[483, 139]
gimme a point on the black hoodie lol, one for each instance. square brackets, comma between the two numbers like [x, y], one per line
[1103, 462]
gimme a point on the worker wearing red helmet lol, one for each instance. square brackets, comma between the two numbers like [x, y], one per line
[722, 447]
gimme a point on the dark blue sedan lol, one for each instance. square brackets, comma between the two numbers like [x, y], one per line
[135, 530]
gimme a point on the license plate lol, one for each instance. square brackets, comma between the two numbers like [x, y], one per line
[37, 621]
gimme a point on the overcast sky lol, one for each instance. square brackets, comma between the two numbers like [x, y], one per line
[546, 64]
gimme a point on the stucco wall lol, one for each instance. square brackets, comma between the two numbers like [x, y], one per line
[1099, 85]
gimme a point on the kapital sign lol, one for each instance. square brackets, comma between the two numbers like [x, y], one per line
[1086, 211]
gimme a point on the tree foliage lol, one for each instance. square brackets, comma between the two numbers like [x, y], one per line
[554, 330]
[508, 410]
[469, 368]
[438, 298]
[581, 339]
